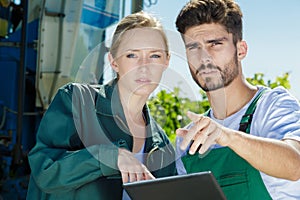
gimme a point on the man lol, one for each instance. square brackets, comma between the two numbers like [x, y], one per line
[256, 156]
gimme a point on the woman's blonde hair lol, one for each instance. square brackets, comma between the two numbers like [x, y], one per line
[136, 20]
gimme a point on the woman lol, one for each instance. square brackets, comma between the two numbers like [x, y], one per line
[92, 139]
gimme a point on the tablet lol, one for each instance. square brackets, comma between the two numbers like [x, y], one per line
[198, 186]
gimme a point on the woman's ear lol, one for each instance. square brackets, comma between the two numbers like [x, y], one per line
[113, 63]
[242, 49]
[167, 61]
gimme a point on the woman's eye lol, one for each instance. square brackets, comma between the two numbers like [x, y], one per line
[131, 55]
[155, 56]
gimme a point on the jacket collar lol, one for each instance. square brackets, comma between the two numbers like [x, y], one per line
[108, 104]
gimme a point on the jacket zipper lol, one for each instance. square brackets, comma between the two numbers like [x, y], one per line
[150, 152]
[121, 121]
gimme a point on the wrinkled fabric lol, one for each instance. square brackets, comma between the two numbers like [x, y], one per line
[277, 116]
[75, 156]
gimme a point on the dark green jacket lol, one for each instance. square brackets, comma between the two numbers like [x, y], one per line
[75, 156]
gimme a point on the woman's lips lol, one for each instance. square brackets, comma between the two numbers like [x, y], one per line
[143, 80]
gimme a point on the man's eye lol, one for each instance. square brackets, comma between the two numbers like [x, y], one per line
[215, 43]
[131, 55]
[192, 47]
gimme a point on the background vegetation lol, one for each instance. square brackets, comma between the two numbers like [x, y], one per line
[169, 110]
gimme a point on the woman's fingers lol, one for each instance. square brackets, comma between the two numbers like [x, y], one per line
[132, 169]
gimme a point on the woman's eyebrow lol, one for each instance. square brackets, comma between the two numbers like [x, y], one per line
[150, 50]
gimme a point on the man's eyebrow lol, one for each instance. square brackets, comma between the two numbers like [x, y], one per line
[217, 40]
[196, 44]
[192, 44]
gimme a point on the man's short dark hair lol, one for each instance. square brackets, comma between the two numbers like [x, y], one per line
[223, 12]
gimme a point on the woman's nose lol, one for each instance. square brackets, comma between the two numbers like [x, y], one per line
[143, 63]
[143, 60]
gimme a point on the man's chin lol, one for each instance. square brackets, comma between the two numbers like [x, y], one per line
[211, 88]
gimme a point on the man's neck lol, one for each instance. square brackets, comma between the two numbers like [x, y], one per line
[229, 100]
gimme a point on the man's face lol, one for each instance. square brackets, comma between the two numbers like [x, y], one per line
[212, 56]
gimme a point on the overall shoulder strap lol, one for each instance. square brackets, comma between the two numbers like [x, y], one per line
[207, 113]
[246, 120]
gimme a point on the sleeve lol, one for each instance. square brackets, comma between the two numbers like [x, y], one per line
[56, 161]
[180, 153]
[278, 116]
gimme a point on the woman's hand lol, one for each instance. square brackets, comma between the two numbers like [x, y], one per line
[131, 169]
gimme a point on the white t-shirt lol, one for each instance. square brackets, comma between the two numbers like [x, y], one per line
[277, 116]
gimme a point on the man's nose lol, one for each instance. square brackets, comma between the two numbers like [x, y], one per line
[205, 57]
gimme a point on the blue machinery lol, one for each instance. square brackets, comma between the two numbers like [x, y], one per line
[34, 61]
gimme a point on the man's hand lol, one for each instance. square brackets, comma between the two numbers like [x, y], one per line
[203, 134]
[131, 169]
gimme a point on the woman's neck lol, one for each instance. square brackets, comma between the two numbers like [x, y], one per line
[133, 110]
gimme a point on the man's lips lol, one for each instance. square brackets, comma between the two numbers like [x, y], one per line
[207, 72]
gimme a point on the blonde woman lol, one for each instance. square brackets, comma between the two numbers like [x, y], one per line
[91, 140]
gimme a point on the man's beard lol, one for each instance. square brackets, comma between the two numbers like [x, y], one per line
[226, 76]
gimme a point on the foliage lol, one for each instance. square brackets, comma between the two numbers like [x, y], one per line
[169, 110]
[258, 79]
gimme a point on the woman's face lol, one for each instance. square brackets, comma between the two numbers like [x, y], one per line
[140, 60]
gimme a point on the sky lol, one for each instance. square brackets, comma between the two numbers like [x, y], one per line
[271, 30]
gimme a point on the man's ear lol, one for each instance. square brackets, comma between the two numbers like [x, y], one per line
[113, 63]
[242, 49]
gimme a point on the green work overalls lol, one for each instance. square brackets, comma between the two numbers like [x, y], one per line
[237, 178]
